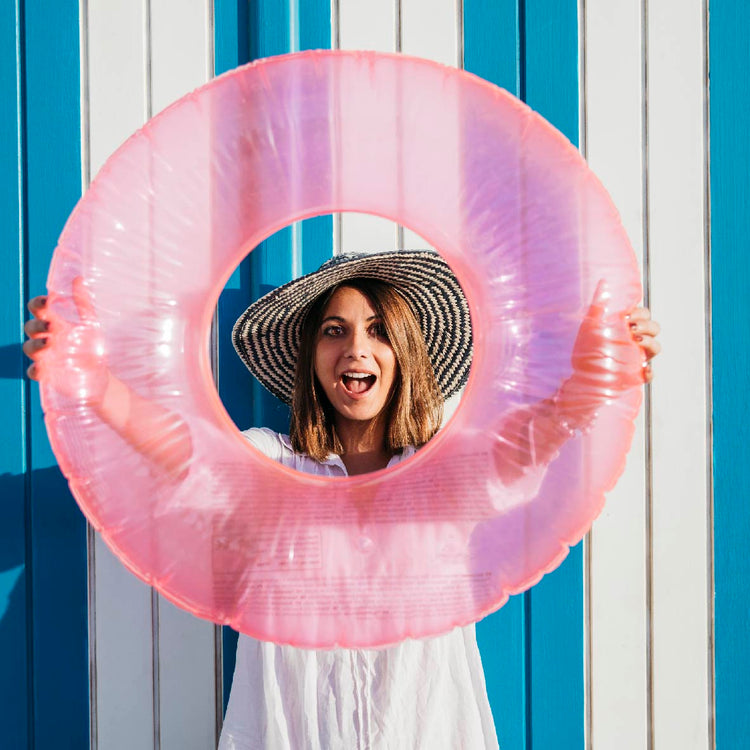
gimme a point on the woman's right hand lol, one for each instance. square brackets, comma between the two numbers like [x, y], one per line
[77, 368]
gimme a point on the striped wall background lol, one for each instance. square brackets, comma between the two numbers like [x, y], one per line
[638, 641]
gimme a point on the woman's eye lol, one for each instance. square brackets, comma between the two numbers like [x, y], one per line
[332, 331]
[378, 329]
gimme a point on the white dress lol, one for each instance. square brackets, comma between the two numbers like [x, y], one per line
[420, 694]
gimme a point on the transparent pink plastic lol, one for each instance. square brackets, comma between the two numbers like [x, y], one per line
[445, 537]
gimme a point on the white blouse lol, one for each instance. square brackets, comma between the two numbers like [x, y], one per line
[420, 694]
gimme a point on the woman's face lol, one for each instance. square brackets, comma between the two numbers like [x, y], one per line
[354, 361]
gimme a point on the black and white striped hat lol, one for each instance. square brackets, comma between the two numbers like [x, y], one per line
[266, 335]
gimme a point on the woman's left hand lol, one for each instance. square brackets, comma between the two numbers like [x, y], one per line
[605, 362]
[644, 331]
[550, 423]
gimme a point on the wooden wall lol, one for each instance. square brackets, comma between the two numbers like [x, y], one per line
[613, 650]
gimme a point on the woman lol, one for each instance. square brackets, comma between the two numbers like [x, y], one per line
[365, 349]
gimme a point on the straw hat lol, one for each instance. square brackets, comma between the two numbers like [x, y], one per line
[266, 335]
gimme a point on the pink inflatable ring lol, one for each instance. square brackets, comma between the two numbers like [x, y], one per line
[443, 538]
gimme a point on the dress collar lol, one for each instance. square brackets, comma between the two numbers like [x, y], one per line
[335, 460]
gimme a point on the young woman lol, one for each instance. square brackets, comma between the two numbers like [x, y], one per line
[365, 350]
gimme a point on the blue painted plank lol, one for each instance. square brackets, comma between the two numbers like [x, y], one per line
[532, 649]
[316, 234]
[549, 79]
[15, 679]
[555, 659]
[502, 644]
[492, 44]
[556, 680]
[231, 40]
[730, 279]
[58, 531]
[272, 262]
[492, 50]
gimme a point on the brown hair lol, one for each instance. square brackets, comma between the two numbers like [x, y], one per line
[415, 409]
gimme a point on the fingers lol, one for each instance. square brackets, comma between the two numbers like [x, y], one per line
[641, 323]
[644, 328]
[32, 347]
[650, 346]
[644, 332]
[638, 314]
[36, 305]
[35, 327]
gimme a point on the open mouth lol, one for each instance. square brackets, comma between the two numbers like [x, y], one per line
[357, 382]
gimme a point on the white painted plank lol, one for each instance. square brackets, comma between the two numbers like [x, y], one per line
[367, 25]
[362, 233]
[124, 684]
[179, 49]
[618, 553]
[186, 679]
[429, 29]
[364, 24]
[122, 649]
[116, 75]
[187, 715]
[677, 216]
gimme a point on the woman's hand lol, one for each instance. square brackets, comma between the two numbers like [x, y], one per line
[77, 369]
[605, 362]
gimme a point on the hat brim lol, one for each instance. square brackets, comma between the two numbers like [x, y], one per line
[266, 335]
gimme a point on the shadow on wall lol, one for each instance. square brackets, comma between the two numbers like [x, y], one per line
[11, 357]
[43, 609]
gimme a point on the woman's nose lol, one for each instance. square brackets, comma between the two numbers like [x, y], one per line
[359, 344]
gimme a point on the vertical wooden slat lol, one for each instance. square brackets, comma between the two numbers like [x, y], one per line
[676, 210]
[367, 25]
[57, 529]
[232, 48]
[266, 28]
[16, 678]
[179, 49]
[492, 36]
[370, 26]
[272, 263]
[545, 627]
[430, 29]
[730, 280]
[116, 75]
[491, 49]
[314, 32]
[117, 106]
[185, 686]
[618, 552]
[556, 694]
[491, 41]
